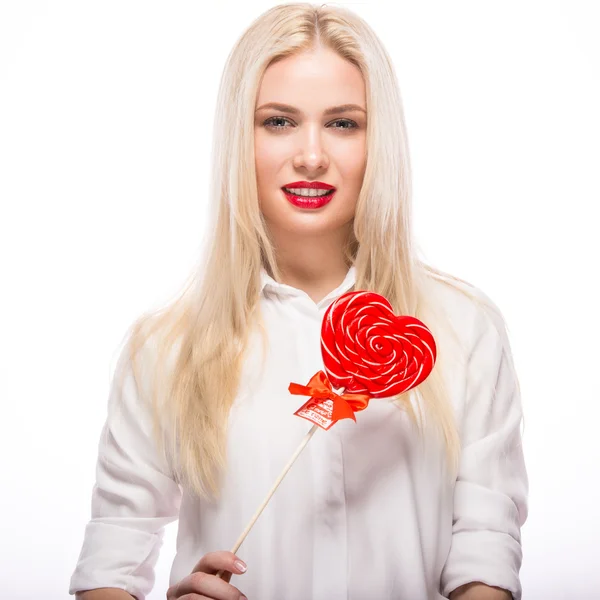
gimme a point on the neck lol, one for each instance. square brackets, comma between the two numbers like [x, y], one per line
[316, 265]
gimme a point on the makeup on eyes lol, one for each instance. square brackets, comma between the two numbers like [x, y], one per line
[268, 123]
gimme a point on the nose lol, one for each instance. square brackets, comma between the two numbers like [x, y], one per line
[311, 154]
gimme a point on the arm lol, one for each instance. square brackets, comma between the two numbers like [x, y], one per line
[135, 495]
[490, 494]
[479, 591]
[104, 594]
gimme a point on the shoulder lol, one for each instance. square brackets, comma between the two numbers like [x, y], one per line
[144, 360]
[467, 308]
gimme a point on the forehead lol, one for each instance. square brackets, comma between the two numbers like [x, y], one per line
[300, 76]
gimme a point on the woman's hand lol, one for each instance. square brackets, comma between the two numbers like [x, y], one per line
[203, 584]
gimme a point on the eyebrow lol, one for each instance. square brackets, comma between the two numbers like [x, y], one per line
[295, 111]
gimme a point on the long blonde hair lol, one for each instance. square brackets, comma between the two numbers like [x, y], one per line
[199, 340]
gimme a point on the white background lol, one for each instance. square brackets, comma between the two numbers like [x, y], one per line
[106, 115]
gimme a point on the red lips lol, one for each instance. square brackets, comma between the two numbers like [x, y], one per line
[315, 185]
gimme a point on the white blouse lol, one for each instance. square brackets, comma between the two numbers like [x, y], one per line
[364, 513]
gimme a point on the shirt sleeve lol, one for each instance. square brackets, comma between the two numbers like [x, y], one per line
[490, 495]
[134, 497]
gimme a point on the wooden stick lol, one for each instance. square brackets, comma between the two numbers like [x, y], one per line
[275, 486]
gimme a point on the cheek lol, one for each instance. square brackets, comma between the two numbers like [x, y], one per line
[268, 153]
[266, 169]
[352, 161]
[261, 158]
[261, 154]
[354, 172]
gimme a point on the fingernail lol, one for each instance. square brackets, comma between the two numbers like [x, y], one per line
[241, 566]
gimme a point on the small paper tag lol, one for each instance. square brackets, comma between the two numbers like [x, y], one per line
[319, 414]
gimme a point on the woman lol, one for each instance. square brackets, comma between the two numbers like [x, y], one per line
[424, 496]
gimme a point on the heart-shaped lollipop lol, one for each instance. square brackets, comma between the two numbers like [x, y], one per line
[366, 348]
[369, 352]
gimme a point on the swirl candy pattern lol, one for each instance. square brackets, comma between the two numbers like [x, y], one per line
[366, 348]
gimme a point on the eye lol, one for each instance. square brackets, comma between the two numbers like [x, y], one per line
[270, 123]
[351, 124]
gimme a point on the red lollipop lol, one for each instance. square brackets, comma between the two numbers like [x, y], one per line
[366, 348]
[369, 352]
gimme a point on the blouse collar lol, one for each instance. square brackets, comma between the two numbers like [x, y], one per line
[283, 289]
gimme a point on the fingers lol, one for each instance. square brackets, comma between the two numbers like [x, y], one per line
[224, 575]
[205, 585]
[212, 562]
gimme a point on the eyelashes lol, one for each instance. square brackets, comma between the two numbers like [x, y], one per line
[269, 124]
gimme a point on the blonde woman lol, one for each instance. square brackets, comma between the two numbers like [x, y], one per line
[424, 496]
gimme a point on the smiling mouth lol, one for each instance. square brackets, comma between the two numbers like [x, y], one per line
[316, 193]
[308, 202]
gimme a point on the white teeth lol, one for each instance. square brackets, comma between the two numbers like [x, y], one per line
[306, 191]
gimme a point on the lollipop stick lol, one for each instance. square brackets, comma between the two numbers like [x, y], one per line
[275, 486]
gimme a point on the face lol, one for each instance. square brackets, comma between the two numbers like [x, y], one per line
[308, 143]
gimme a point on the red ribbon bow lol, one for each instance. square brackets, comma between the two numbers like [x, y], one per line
[320, 388]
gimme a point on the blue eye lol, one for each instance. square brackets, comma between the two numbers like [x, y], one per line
[269, 123]
[351, 124]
